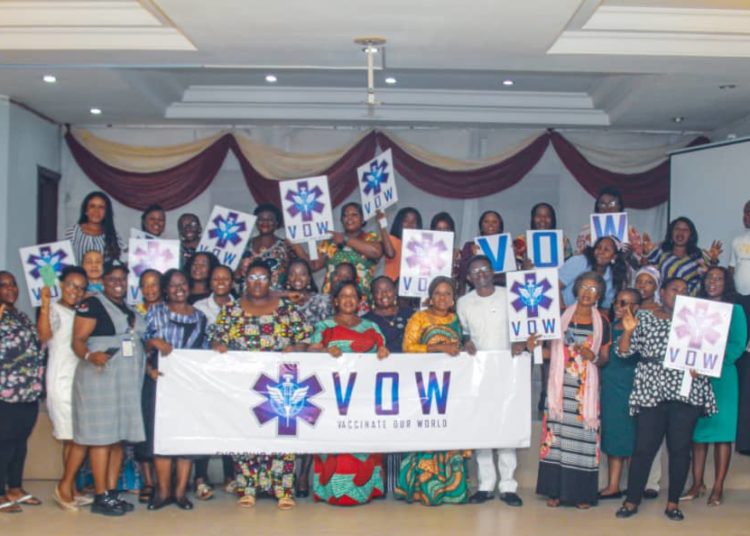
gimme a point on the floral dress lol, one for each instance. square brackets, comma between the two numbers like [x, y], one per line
[439, 477]
[21, 359]
[335, 255]
[348, 479]
[265, 473]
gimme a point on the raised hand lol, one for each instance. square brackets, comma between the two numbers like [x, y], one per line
[646, 244]
[46, 296]
[629, 321]
[715, 250]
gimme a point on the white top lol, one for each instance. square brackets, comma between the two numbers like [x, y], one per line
[739, 259]
[485, 319]
[61, 369]
[210, 308]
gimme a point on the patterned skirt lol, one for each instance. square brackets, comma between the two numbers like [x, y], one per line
[347, 479]
[263, 473]
[433, 478]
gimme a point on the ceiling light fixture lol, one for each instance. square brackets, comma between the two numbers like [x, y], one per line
[95, 111]
[678, 119]
[49, 78]
[508, 82]
[271, 78]
[390, 80]
[728, 86]
[371, 46]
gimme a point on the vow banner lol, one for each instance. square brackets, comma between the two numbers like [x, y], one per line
[534, 304]
[698, 335]
[499, 250]
[306, 204]
[42, 266]
[613, 224]
[243, 402]
[144, 254]
[226, 235]
[377, 184]
[545, 248]
[424, 256]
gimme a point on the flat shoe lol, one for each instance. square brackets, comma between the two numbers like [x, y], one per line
[624, 512]
[480, 497]
[246, 501]
[69, 506]
[511, 499]
[10, 507]
[286, 503]
[183, 503]
[616, 495]
[674, 514]
[157, 503]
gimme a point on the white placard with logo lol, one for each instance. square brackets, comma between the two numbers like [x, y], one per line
[226, 235]
[533, 304]
[306, 204]
[499, 250]
[545, 249]
[42, 266]
[424, 256]
[377, 184]
[145, 254]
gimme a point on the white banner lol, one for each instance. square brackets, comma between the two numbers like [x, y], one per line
[533, 304]
[698, 336]
[424, 256]
[377, 184]
[226, 235]
[42, 266]
[499, 250]
[143, 254]
[612, 224]
[210, 403]
[306, 204]
[545, 248]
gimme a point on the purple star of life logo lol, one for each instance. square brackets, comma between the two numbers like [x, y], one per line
[376, 177]
[153, 257]
[46, 261]
[304, 201]
[287, 399]
[427, 254]
[531, 294]
[698, 325]
[227, 230]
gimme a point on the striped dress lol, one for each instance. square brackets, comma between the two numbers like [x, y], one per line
[569, 453]
[83, 243]
[690, 267]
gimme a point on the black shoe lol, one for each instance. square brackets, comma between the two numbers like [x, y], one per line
[302, 493]
[617, 495]
[511, 499]
[674, 514]
[650, 494]
[624, 512]
[126, 506]
[107, 506]
[479, 497]
[183, 503]
[157, 503]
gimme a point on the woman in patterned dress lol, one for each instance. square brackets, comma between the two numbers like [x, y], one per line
[569, 454]
[347, 479]
[659, 402]
[261, 322]
[267, 246]
[438, 477]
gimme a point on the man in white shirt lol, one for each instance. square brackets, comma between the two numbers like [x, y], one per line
[739, 259]
[483, 314]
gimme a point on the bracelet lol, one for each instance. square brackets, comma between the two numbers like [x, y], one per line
[86, 357]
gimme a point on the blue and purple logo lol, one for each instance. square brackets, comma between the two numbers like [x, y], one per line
[376, 177]
[304, 201]
[698, 325]
[152, 257]
[531, 294]
[287, 399]
[427, 254]
[227, 230]
[48, 264]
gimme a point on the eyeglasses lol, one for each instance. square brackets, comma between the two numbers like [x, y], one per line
[589, 288]
[607, 204]
[481, 270]
[257, 277]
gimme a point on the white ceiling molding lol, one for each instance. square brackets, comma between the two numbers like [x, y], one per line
[652, 44]
[62, 13]
[660, 19]
[397, 106]
[90, 38]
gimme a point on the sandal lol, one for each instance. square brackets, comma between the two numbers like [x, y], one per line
[28, 499]
[286, 503]
[204, 492]
[10, 507]
[231, 487]
[246, 501]
[144, 496]
[70, 506]
[583, 506]
[553, 503]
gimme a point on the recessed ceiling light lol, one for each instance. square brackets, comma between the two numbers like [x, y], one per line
[95, 111]
[50, 79]
[678, 119]
[390, 80]
[271, 78]
[727, 86]
[508, 82]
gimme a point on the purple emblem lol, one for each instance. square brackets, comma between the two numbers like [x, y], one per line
[427, 254]
[304, 201]
[698, 325]
[287, 399]
[151, 257]
[47, 261]
[228, 230]
[376, 177]
[531, 294]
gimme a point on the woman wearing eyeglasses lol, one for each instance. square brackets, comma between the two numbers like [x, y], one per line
[609, 201]
[262, 322]
[569, 454]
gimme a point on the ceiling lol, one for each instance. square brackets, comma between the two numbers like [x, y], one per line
[615, 64]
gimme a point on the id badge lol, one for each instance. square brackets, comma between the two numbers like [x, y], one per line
[127, 347]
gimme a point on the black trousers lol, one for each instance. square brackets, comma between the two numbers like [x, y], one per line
[676, 421]
[201, 467]
[16, 424]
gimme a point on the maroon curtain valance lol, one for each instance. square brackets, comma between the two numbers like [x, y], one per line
[180, 184]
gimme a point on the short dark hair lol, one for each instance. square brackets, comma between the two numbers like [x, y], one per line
[670, 280]
[378, 280]
[312, 286]
[70, 270]
[637, 298]
[355, 205]
[269, 207]
[259, 263]
[343, 284]
[213, 262]
[442, 216]
[496, 213]
[438, 280]
[111, 266]
[154, 207]
[149, 271]
[551, 210]
[609, 190]
[167, 277]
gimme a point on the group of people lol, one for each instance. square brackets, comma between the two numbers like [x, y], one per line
[604, 388]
